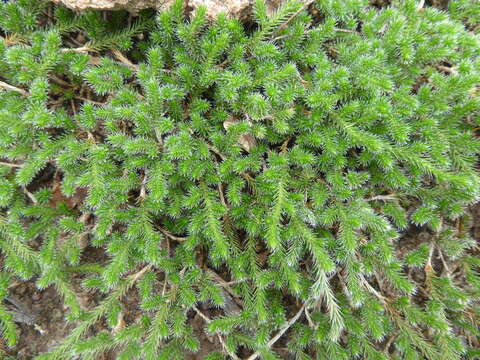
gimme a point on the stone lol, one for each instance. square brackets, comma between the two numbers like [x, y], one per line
[131, 5]
[234, 8]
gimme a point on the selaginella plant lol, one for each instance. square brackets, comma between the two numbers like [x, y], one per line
[262, 176]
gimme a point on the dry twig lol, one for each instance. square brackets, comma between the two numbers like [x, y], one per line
[139, 274]
[5, 86]
[30, 195]
[284, 25]
[82, 50]
[282, 331]
[123, 59]
[170, 235]
[12, 165]
[208, 321]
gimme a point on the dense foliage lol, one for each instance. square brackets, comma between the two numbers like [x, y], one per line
[264, 176]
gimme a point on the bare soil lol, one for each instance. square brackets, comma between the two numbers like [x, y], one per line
[42, 324]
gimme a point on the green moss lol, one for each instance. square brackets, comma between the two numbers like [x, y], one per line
[289, 157]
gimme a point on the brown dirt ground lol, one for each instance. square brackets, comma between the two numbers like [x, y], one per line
[47, 307]
[49, 312]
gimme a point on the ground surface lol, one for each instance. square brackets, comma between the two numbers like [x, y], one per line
[41, 313]
[50, 326]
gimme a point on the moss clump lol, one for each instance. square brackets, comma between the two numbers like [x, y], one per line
[261, 177]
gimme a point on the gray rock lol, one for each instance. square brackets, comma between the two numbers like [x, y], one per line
[234, 8]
